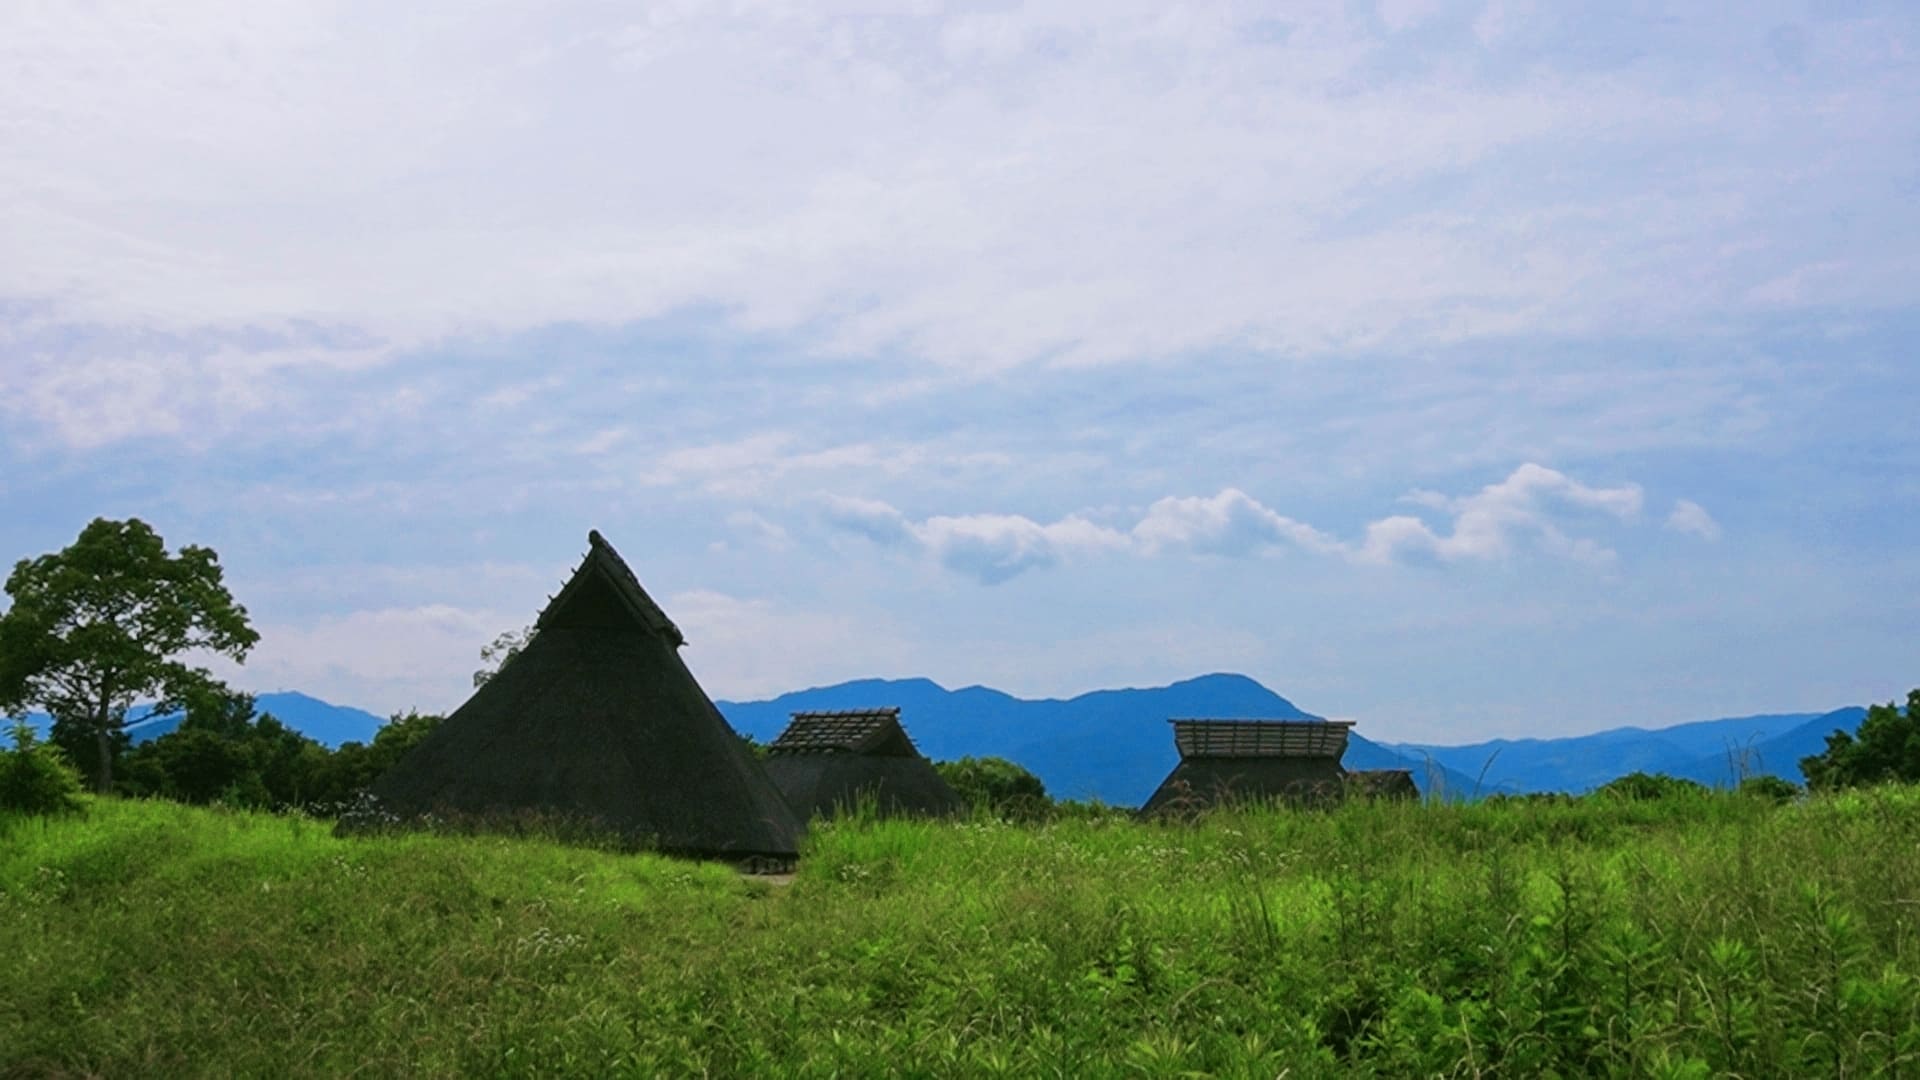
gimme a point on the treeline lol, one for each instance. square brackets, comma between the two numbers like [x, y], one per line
[225, 752]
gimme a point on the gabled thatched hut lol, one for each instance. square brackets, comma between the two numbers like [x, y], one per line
[1382, 784]
[829, 762]
[1224, 761]
[598, 720]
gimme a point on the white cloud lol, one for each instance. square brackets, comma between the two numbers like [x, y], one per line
[91, 390]
[1486, 525]
[1230, 523]
[990, 548]
[762, 532]
[979, 189]
[751, 465]
[385, 660]
[870, 518]
[1691, 518]
[995, 547]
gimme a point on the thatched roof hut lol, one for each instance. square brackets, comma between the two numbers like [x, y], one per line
[1225, 761]
[1382, 784]
[829, 762]
[598, 720]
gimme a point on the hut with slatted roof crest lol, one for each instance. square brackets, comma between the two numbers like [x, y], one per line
[598, 720]
[826, 763]
[1252, 761]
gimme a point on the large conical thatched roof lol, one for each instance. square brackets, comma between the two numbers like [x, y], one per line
[829, 762]
[1226, 761]
[598, 719]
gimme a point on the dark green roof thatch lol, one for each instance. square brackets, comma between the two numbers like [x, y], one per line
[1382, 783]
[1224, 761]
[598, 719]
[828, 762]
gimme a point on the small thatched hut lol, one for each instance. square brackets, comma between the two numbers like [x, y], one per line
[1382, 784]
[597, 720]
[829, 762]
[1223, 761]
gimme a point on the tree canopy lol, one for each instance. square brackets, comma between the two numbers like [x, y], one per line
[1886, 748]
[109, 621]
[994, 783]
[496, 654]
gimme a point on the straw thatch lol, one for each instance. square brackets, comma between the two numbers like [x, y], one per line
[830, 762]
[1382, 784]
[1232, 761]
[598, 720]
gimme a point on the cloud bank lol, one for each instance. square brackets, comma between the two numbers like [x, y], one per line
[1529, 505]
[1076, 183]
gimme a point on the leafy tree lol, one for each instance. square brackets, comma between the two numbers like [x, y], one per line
[355, 765]
[223, 752]
[198, 765]
[995, 783]
[1767, 786]
[1886, 748]
[495, 655]
[104, 623]
[35, 777]
[1637, 786]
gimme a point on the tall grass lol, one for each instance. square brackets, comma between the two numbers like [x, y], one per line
[1689, 936]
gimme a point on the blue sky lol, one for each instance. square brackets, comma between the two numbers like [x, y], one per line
[1466, 369]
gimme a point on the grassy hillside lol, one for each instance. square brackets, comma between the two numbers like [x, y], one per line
[1672, 938]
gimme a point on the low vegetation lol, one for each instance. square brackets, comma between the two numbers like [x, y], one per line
[1686, 933]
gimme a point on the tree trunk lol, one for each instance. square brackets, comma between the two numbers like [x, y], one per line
[104, 784]
[103, 739]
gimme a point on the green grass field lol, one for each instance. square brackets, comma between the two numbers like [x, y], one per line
[1685, 937]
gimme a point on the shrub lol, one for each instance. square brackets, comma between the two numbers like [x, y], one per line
[996, 785]
[35, 776]
[1885, 749]
[1770, 787]
[1639, 786]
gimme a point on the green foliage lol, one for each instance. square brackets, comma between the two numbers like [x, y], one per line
[1886, 749]
[1699, 936]
[223, 753]
[354, 766]
[1770, 787]
[495, 654]
[104, 623]
[995, 785]
[754, 746]
[1642, 785]
[35, 778]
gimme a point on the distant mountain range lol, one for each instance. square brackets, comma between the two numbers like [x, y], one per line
[323, 722]
[1714, 752]
[1115, 744]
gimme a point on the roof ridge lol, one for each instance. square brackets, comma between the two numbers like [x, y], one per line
[626, 585]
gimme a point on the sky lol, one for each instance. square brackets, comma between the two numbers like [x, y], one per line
[1467, 369]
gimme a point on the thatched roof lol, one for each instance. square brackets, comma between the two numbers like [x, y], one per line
[828, 762]
[1227, 761]
[1383, 783]
[854, 731]
[1261, 738]
[598, 719]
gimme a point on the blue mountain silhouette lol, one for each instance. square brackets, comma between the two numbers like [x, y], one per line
[325, 723]
[1113, 745]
